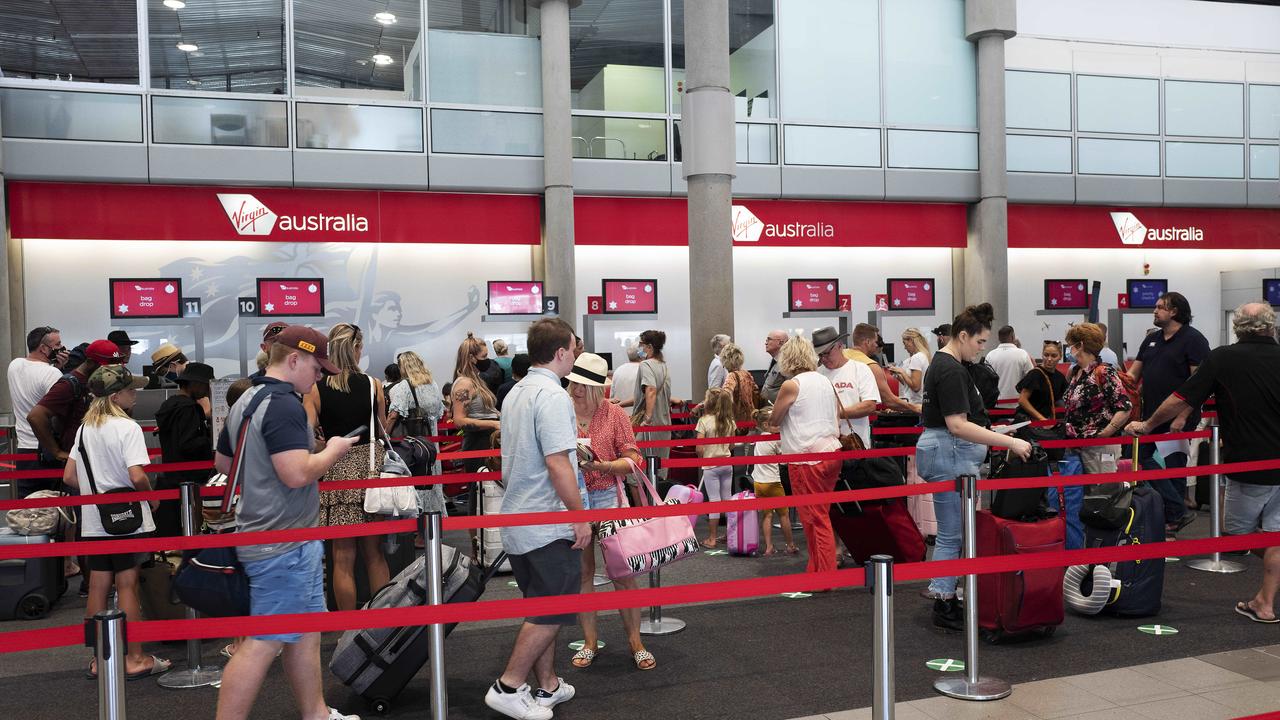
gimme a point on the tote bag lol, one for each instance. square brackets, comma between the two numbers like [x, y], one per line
[635, 547]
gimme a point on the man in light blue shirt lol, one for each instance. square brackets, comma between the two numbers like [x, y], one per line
[539, 433]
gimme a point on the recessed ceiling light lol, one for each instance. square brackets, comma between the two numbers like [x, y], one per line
[383, 59]
[188, 47]
[385, 18]
[175, 4]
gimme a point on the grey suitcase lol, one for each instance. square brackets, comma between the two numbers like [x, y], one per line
[28, 586]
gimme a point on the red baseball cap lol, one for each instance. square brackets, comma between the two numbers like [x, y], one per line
[104, 352]
[303, 338]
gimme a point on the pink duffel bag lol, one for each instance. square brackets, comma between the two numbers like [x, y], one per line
[685, 494]
[635, 547]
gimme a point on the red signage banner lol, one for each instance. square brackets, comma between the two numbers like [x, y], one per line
[911, 293]
[1178, 228]
[630, 296]
[773, 223]
[515, 298]
[290, 297]
[78, 211]
[814, 294]
[146, 298]
[1066, 294]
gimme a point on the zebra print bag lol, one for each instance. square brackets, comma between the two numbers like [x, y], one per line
[634, 547]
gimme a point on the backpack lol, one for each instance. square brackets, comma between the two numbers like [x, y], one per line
[57, 423]
[987, 380]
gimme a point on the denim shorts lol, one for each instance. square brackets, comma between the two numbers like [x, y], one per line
[602, 499]
[1250, 507]
[292, 582]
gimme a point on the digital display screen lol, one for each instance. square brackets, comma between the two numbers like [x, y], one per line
[1066, 294]
[630, 296]
[1144, 293]
[290, 297]
[146, 298]
[911, 293]
[515, 298]
[820, 294]
[1271, 291]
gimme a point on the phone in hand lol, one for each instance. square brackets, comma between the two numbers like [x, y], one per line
[357, 432]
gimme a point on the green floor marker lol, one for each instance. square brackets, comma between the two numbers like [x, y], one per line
[577, 645]
[945, 665]
[1158, 629]
[797, 595]
[717, 552]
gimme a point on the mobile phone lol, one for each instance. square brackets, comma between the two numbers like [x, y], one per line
[357, 432]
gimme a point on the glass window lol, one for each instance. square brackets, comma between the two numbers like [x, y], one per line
[812, 145]
[80, 40]
[1118, 157]
[930, 75]
[830, 60]
[934, 150]
[1203, 160]
[1118, 105]
[485, 53]
[208, 46]
[1264, 112]
[482, 132]
[359, 127]
[1264, 162]
[1036, 153]
[1037, 100]
[610, 138]
[60, 115]
[616, 56]
[757, 143]
[1203, 109]
[219, 121]
[752, 55]
[359, 50]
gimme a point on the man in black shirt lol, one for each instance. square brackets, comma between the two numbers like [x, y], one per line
[1166, 358]
[185, 436]
[1243, 379]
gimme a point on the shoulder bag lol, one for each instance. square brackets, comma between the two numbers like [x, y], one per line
[393, 501]
[1033, 434]
[415, 423]
[120, 518]
[634, 547]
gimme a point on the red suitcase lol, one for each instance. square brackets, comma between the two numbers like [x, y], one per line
[882, 528]
[1019, 603]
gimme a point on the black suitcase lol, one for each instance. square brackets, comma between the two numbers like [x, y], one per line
[379, 662]
[29, 586]
[1141, 581]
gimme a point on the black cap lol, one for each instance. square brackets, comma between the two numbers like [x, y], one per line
[121, 338]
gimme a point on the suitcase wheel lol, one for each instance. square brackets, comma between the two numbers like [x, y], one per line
[33, 607]
[381, 706]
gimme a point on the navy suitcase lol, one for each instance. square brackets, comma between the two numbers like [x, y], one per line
[1141, 581]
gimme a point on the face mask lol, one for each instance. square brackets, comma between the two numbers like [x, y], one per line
[640, 353]
[53, 354]
[171, 376]
[483, 365]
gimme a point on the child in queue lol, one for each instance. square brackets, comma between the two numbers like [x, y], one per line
[767, 479]
[717, 421]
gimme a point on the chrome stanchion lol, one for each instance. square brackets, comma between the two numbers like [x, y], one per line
[972, 686]
[431, 532]
[195, 675]
[105, 632]
[657, 624]
[1215, 563]
[880, 580]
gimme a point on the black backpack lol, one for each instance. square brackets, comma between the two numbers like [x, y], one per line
[987, 380]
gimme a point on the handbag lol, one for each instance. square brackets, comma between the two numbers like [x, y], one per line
[119, 518]
[393, 501]
[1033, 434]
[1106, 506]
[41, 520]
[634, 547]
[1024, 504]
[416, 422]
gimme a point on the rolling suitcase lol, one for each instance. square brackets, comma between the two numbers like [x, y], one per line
[1027, 602]
[379, 662]
[1141, 581]
[28, 586]
[490, 550]
[743, 528]
[921, 506]
[878, 528]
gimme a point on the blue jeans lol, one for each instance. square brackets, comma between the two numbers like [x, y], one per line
[1070, 465]
[942, 457]
[1172, 490]
[292, 582]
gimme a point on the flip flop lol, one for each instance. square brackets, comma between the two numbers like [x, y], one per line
[158, 667]
[586, 654]
[1244, 609]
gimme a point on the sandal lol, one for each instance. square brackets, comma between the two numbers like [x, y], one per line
[644, 656]
[583, 658]
[1245, 609]
[158, 667]
[793, 550]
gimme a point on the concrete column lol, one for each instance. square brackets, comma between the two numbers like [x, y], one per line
[555, 264]
[11, 290]
[708, 167]
[984, 273]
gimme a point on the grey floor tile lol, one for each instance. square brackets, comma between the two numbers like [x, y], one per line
[1125, 686]
[1116, 713]
[1192, 707]
[1055, 699]
[901, 711]
[1192, 674]
[1251, 663]
[1249, 699]
[945, 708]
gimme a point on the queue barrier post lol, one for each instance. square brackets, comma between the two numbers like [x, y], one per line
[879, 574]
[105, 633]
[1215, 563]
[195, 675]
[972, 686]
[657, 624]
[432, 532]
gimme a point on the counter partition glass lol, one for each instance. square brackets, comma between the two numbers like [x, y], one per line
[486, 132]
[62, 115]
[181, 120]
[359, 127]
[619, 138]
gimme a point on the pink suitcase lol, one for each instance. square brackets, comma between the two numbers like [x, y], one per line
[920, 506]
[687, 494]
[743, 528]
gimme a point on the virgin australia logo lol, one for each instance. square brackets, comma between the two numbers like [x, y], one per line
[1133, 232]
[247, 215]
[747, 228]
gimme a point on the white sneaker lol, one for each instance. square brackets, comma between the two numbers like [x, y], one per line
[519, 704]
[564, 692]
[336, 714]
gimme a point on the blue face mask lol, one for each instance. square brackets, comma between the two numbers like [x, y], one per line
[171, 376]
[640, 353]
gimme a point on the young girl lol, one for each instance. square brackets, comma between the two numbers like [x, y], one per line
[717, 421]
[768, 483]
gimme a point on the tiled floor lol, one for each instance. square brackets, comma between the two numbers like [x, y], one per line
[1213, 687]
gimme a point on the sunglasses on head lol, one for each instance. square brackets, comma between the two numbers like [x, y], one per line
[274, 331]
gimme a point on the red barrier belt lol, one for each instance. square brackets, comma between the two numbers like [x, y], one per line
[897, 431]
[152, 468]
[694, 442]
[790, 458]
[1126, 440]
[468, 454]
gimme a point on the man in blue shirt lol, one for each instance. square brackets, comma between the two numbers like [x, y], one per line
[1166, 358]
[539, 433]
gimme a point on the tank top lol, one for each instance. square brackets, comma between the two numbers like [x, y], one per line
[810, 424]
[342, 412]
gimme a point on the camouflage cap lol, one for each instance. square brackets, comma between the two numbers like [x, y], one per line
[110, 379]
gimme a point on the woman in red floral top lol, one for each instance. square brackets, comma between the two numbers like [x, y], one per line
[1096, 403]
[606, 429]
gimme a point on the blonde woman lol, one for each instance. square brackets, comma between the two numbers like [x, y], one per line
[335, 407]
[912, 371]
[108, 454]
[474, 405]
[738, 383]
[417, 400]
